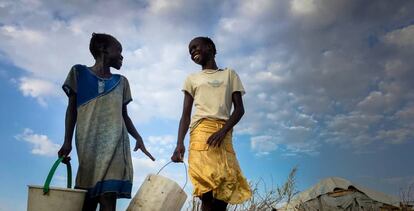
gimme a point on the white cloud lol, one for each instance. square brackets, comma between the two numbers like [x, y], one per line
[41, 144]
[162, 146]
[396, 136]
[351, 128]
[401, 37]
[354, 121]
[165, 6]
[303, 7]
[263, 144]
[406, 116]
[166, 140]
[51, 52]
[30, 36]
[38, 88]
[156, 69]
[377, 102]
[268, 77]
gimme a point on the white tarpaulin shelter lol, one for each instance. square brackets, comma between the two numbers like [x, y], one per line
[335, 193]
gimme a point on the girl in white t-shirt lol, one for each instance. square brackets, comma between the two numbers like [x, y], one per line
[213, 166]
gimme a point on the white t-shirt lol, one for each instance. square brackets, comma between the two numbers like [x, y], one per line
[212, 93]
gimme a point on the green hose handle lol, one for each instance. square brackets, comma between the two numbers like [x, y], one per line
[52, 172]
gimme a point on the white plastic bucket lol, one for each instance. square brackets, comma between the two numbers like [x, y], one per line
[158, 193]
[58, 199]
[45, 198]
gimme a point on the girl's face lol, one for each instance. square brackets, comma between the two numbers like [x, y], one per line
[113, 55]
[200, 52]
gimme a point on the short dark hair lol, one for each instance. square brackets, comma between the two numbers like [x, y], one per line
[208, 41]
[100, 40]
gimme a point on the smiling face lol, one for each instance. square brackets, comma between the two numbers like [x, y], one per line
[113, 55]
[200, 51]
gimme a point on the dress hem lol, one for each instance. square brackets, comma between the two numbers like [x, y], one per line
[122, 188]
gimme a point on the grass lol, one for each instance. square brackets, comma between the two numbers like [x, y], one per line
[263, 197]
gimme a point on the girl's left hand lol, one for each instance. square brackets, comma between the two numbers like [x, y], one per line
[140, 145]
[216, 138]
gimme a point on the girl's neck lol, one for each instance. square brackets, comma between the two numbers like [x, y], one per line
[101, 70]
[210, 64]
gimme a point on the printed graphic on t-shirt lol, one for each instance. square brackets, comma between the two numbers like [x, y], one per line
[215, 83]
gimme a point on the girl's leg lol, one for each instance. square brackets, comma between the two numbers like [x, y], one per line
[219, 205]
[107, 202]
[209, 203]
[90, 204]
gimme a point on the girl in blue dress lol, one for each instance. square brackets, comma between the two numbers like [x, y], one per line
[98, 107]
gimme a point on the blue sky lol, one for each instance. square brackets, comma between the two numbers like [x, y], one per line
[329, 84]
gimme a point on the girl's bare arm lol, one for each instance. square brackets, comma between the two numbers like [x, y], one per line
[131, 130]
[179, 151]
[70, 122]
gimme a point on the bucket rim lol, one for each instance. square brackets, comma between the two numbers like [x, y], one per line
[166, 178]
[58, 188]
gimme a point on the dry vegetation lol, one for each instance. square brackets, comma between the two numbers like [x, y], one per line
[263, 196]
[407, 198]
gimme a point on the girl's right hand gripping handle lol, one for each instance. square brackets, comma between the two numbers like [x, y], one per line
[52, 172]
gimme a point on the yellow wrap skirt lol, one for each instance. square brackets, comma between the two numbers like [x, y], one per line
[215, 169]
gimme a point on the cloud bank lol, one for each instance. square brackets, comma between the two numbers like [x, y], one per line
[316, 72]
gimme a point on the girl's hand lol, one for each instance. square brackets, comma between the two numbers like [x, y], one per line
[178, 155]
[140, 145]
[216, 138]
[64, 152]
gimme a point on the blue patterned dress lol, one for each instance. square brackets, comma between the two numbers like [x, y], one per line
[102, 142]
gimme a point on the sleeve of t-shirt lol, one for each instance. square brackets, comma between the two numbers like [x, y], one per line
[127, 92]
[188, 86]
[236, 84]
[70, 85]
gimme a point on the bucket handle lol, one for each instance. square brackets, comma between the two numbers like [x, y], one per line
[52, 172]
[186, 174]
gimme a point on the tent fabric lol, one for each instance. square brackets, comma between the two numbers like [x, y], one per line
[365, 196]
[351, 202]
